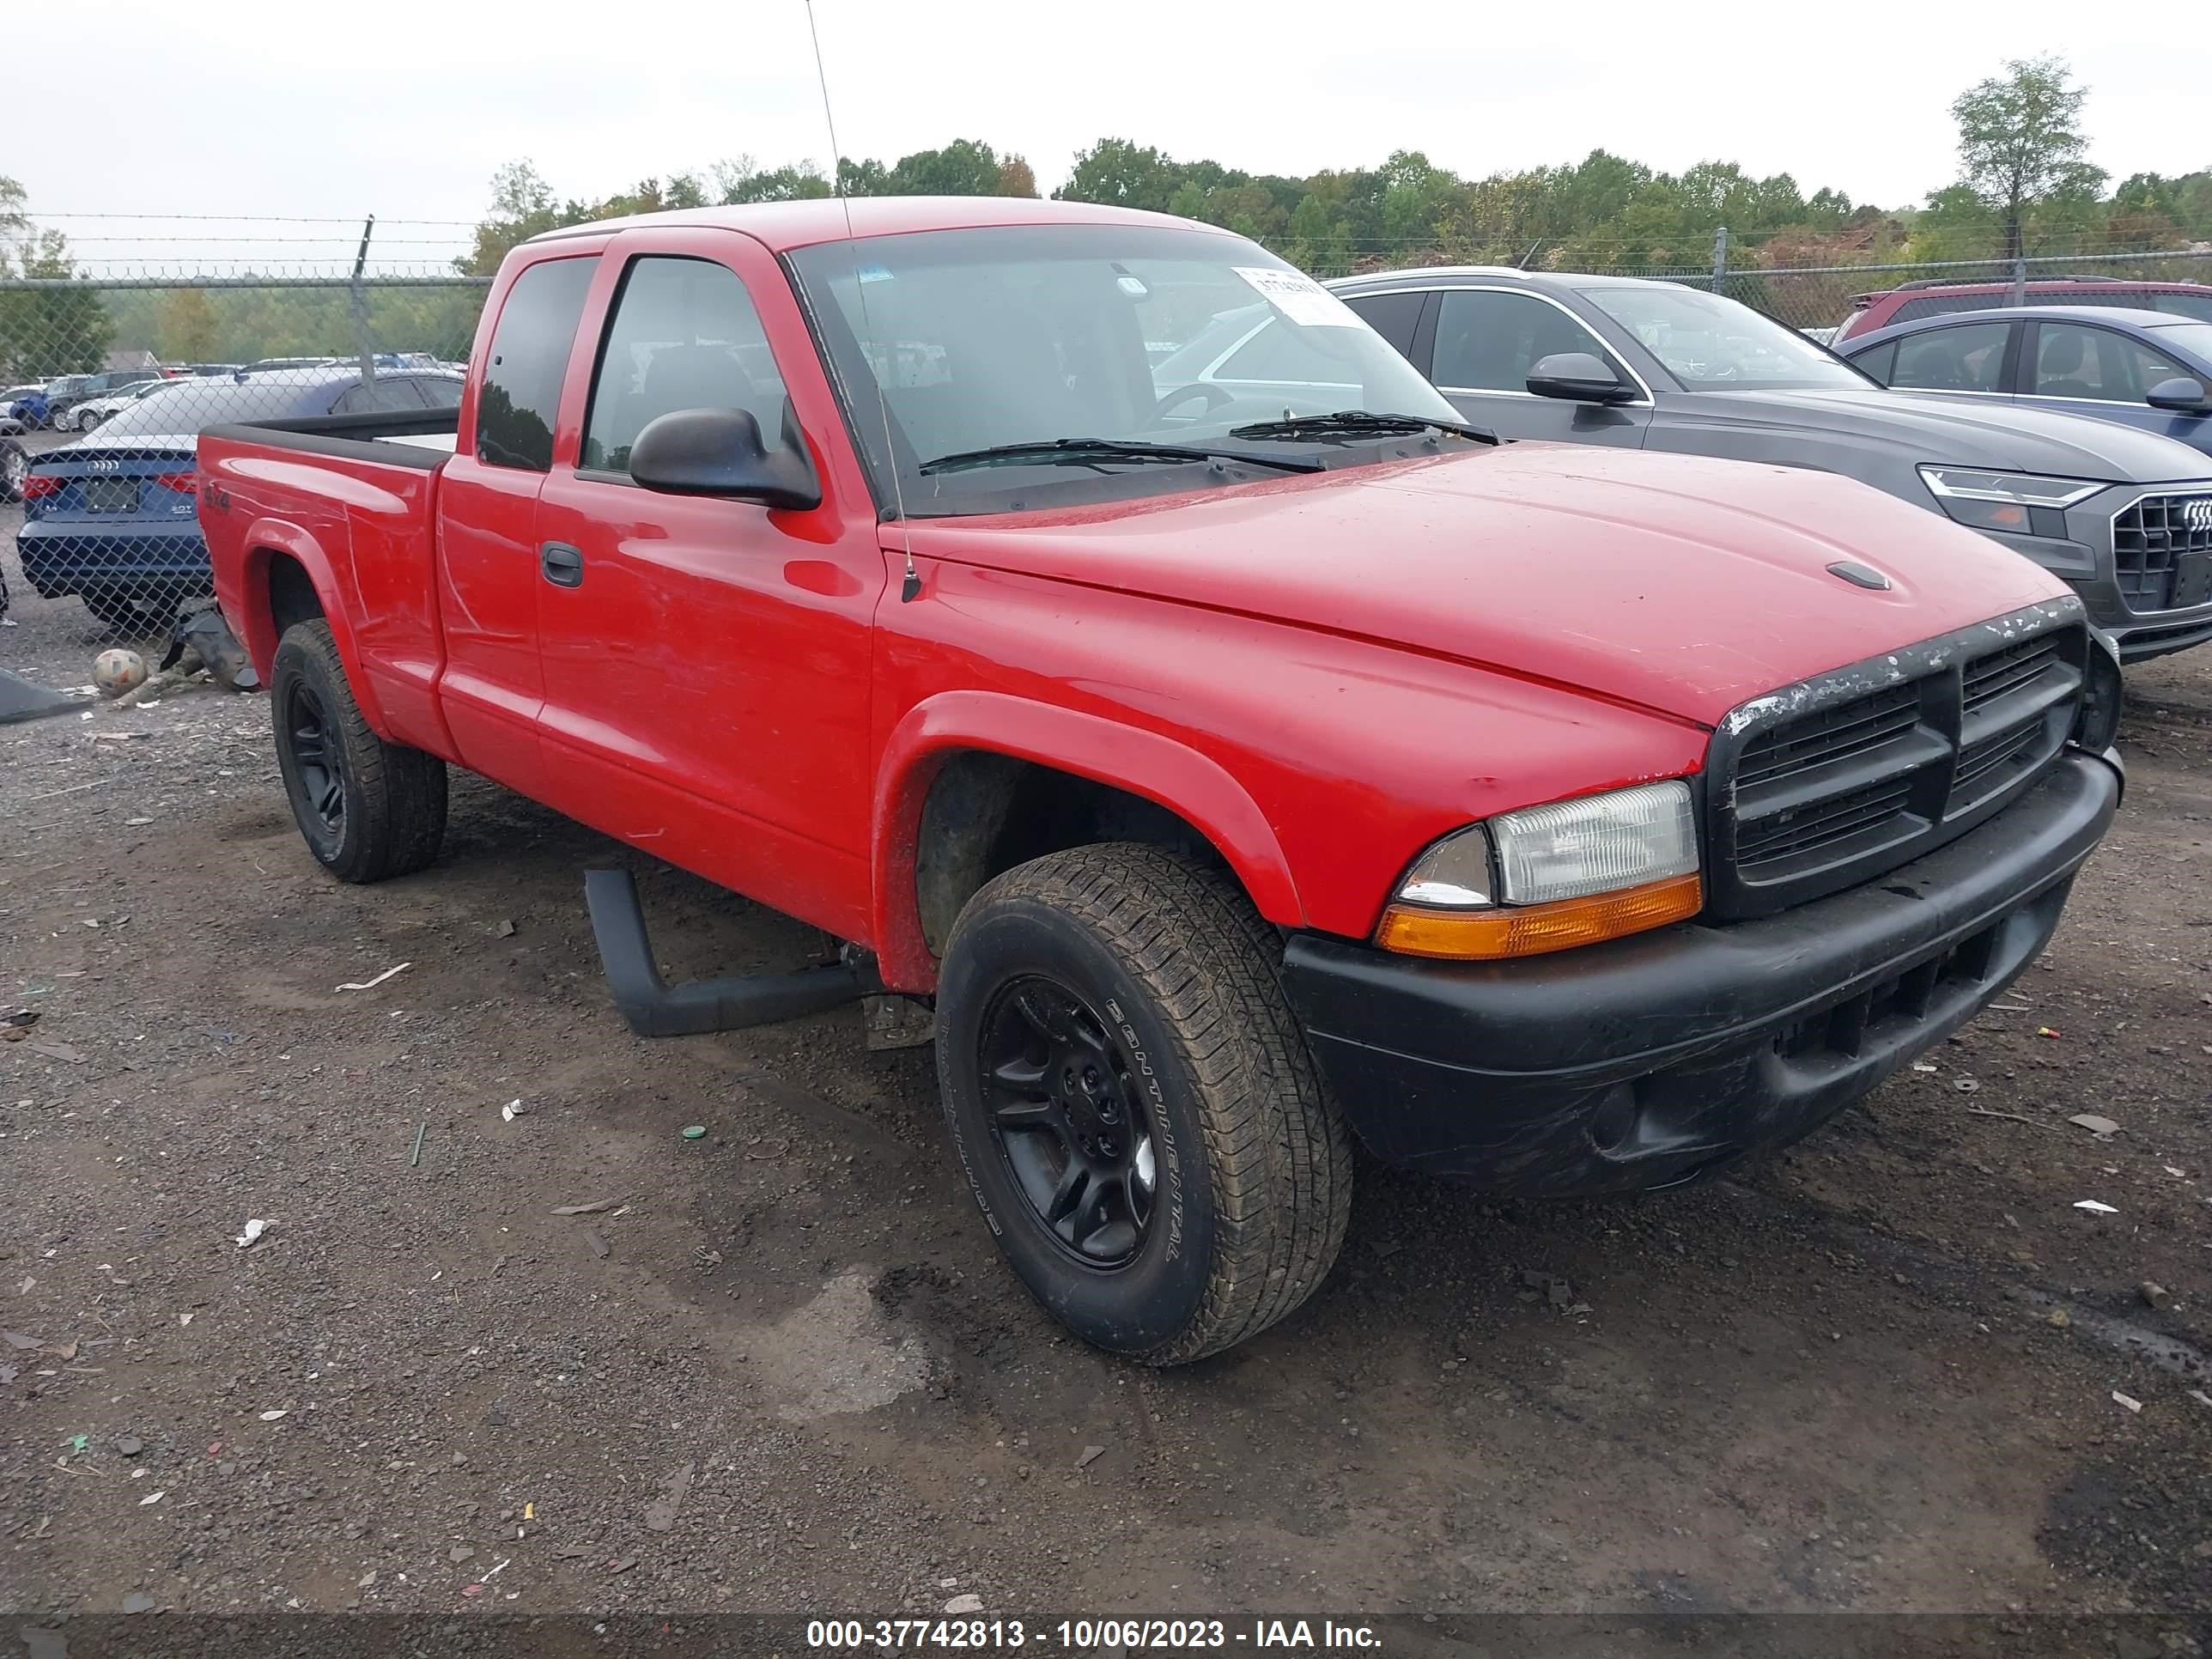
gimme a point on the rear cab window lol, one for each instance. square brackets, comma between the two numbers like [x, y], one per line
[521, 394]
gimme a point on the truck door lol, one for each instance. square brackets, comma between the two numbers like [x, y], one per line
[493, 685]
[707, 660]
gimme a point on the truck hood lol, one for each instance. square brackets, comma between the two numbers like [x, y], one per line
[1929, 426]
[1678, 584]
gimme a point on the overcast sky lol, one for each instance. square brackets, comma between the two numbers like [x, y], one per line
[403, 109]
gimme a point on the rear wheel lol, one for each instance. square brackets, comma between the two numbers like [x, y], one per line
[1133, 1104]
[367, 809]
[87, 419]
[14, 468]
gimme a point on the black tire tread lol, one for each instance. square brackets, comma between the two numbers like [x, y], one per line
[1277, 1152]
[401, 791]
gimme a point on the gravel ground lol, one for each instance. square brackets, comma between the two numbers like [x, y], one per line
[785, 1371]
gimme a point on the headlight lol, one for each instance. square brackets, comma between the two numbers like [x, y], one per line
[2007, 500]
[1550, 878]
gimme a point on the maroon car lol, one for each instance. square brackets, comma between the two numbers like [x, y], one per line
[1909, 301]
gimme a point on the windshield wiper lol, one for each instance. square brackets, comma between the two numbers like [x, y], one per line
[1090, 452]
[1359, 424]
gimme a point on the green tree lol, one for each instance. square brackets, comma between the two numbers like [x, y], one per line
[522, 206]
[2020, 143]
[1119, 173]
[186, 329]
[46, 331]
[966, 166]
[739, 180]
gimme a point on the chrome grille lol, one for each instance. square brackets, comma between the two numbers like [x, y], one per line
[1828, 783]
[2162, 551]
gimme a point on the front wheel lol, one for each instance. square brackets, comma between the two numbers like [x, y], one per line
[1132, 1103]
[367, 809]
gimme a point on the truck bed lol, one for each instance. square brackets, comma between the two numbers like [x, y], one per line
[352, 500]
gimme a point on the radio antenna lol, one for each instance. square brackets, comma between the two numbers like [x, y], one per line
[911, 586]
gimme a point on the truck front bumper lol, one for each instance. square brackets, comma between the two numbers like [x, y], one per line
[1652, 1060]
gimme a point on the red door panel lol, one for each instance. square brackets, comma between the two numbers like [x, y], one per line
[706, 681]
[493, 685]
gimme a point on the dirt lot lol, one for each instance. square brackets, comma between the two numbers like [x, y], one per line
[790, 1374]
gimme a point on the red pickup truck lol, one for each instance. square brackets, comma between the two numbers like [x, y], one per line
[1234, 771]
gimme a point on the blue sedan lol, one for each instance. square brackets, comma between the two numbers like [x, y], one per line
[112, 518]
[2151, 369]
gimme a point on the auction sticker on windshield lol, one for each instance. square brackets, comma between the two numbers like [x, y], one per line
[1298, 297]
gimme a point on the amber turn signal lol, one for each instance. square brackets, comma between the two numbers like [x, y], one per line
[1533, 929]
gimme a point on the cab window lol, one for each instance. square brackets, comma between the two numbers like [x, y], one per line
[684, 335]
[521, 390]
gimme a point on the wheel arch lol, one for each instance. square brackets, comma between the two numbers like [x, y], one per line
[288, 578]
[963, 767]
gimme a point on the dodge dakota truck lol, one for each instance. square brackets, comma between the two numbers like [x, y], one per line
[1226, 775]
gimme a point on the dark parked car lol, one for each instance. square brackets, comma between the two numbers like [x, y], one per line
[2146, 368]
[2125, 516]
[111, 517]
[1912, 302]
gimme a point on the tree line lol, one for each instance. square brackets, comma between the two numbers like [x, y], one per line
[2024, 186]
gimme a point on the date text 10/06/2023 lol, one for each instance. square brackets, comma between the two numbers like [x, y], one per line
[1084, 1634]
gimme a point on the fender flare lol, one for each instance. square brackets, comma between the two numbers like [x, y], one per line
[265, 539]
[1174, 776]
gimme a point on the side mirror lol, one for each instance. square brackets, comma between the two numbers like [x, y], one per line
[2182, 394]
[718, 452]
[1579, 377]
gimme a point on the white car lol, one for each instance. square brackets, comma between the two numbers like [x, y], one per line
[82, 418]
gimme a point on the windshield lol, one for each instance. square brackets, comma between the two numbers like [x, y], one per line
[972, 339]
[1713, 344]
[218, 403]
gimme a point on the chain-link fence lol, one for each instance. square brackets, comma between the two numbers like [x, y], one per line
[105, 384]
[106, 381]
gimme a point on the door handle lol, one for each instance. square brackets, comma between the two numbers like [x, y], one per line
[564, 565]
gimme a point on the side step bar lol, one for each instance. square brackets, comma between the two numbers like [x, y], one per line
[657, 1009]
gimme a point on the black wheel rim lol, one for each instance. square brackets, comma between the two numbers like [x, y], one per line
[315, 761]
[1068, 1115]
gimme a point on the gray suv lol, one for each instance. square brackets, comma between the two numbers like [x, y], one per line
[2123, 515]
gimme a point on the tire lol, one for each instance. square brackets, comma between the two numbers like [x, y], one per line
[368, 810]
[87, 419]
[14, 468]
[1160, 971]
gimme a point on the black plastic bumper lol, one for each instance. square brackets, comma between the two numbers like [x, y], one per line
[1652, 1059]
